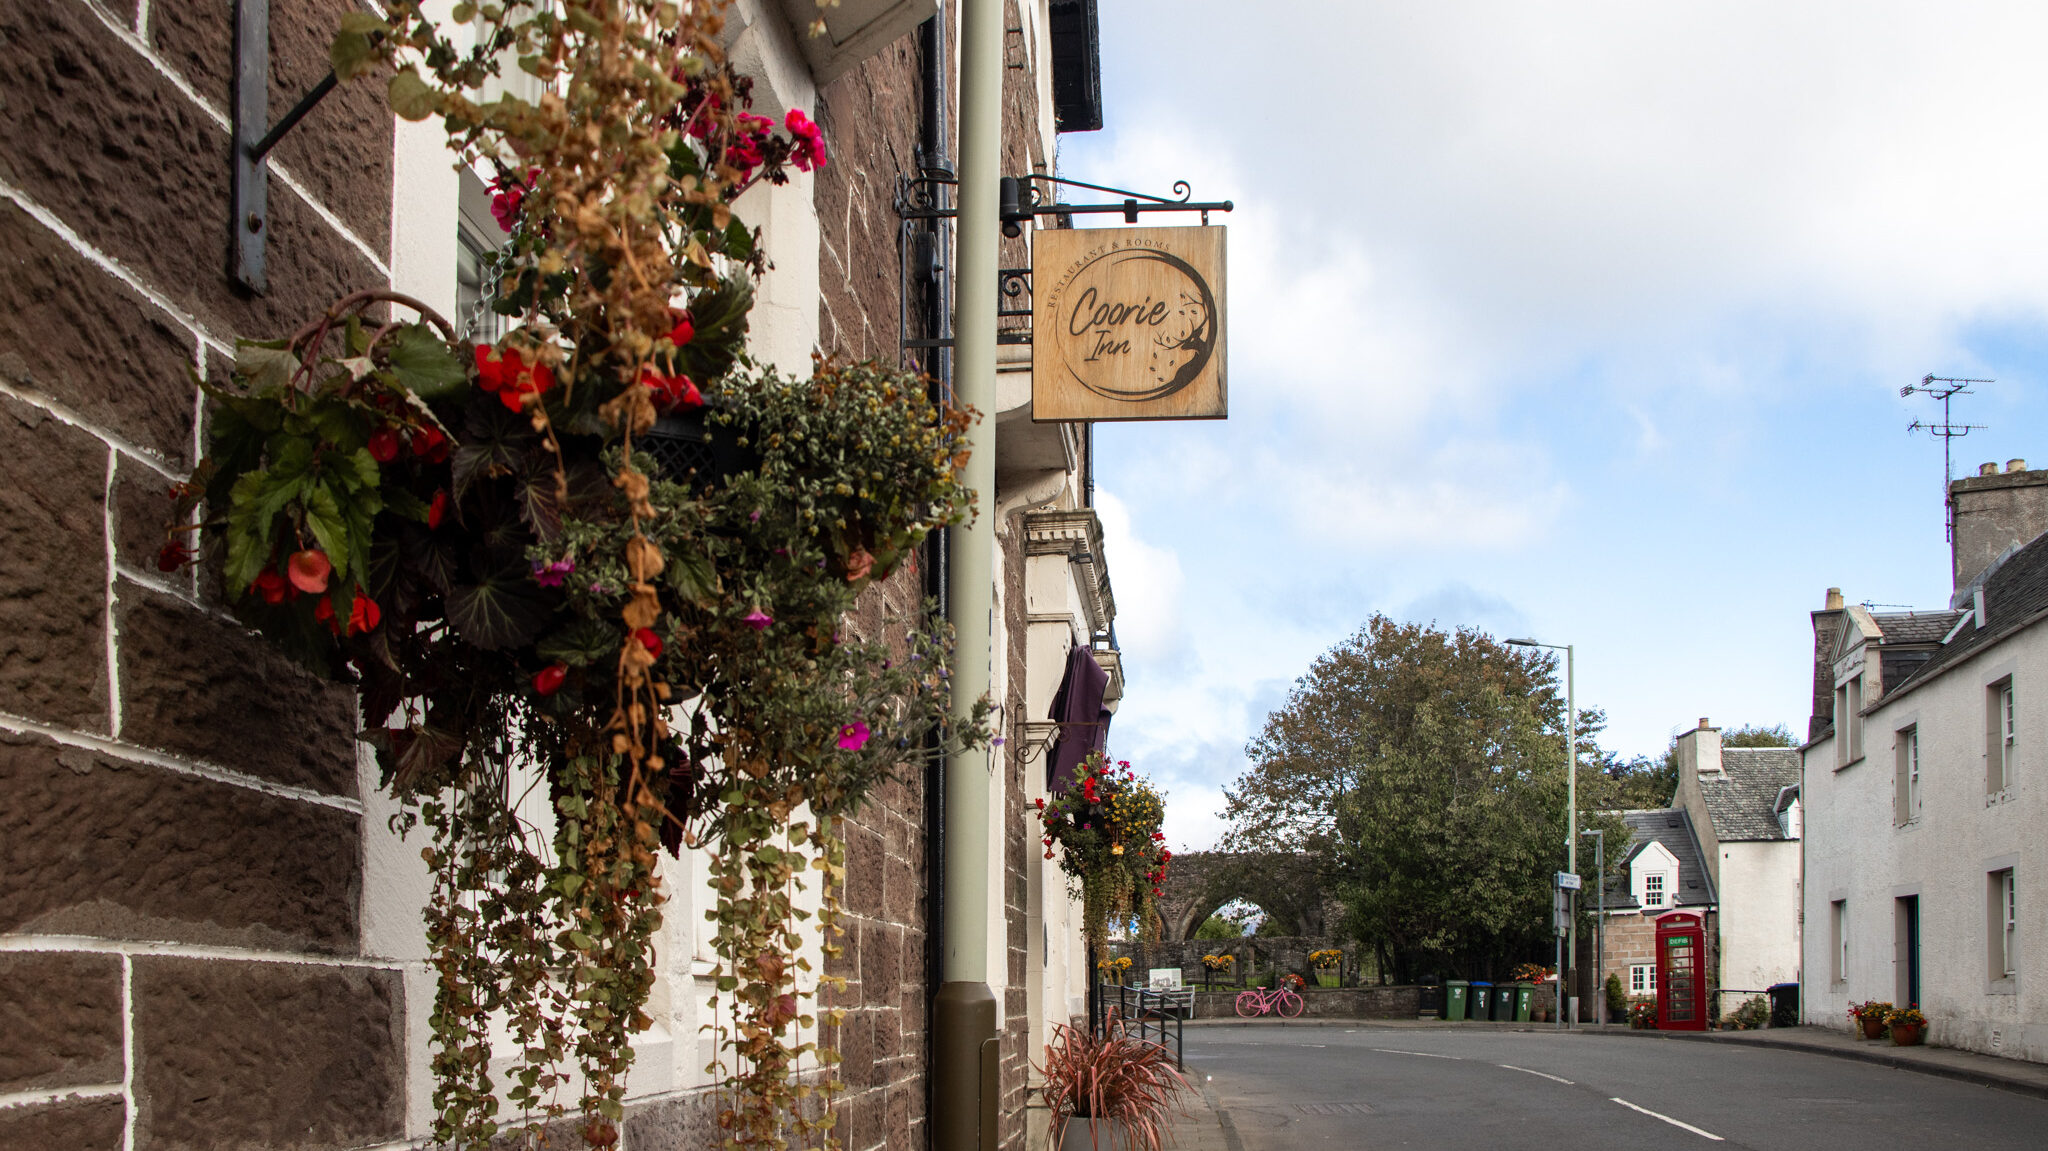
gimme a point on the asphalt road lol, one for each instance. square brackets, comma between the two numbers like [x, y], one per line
[1301, 1088]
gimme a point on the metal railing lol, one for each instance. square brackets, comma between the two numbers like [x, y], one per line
[1155, 1016]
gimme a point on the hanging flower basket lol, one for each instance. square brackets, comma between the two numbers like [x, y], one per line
[1107, 827]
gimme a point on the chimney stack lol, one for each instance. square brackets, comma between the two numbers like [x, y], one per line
[1994, 512]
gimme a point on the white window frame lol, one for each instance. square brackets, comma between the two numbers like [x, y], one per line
[2001, 736]
[1839, 926]
[1909, 798]
[1642, 979]
[2005, 925]
[1656, 891]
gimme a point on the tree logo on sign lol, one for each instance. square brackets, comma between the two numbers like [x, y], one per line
[1141, 324]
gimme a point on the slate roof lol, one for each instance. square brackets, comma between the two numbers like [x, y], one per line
[2015, 597]
[1742, 801]
[1915, 626]
[1671, 827]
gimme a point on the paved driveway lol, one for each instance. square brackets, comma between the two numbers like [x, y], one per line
[1295, 1088]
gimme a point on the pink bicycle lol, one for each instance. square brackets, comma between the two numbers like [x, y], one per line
[1257, 1001]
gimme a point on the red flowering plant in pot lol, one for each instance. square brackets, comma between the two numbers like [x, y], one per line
[1108, 828]
[480, 539]
[1109, 1090]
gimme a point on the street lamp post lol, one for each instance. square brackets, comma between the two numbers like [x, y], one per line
[1571, 807]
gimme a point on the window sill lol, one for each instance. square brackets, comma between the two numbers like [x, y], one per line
[2007, 986]
[1998, 797]
[1849, 763]
[1912, 824]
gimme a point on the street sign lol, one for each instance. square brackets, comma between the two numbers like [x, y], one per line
[1560, 912]
[1566, 881]
[1129, 324]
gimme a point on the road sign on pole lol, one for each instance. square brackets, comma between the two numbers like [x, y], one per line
[1566, 881]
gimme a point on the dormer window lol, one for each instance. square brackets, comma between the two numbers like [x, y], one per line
[1653, 877]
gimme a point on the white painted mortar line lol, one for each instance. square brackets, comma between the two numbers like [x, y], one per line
[108, 264]
[57, 1095]
[66, 416]
[113, 597]
[155, 582]
[133, 753]
[128, 1052]
[167, 949]
[141, 48]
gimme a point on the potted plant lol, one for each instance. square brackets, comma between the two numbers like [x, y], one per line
[1114, 970]
[1214, 965]
[1909, 1027]
[1327, 963]
[1749, 1016]
[1871, 1016]
[1642, 1014]
[1109, 1091]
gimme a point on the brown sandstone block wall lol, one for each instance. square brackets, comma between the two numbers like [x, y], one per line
[181, 834]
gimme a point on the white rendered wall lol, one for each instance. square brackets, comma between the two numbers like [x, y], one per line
[1759, 915]
[1855, 851]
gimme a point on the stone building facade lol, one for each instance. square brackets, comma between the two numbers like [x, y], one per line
[208, 935]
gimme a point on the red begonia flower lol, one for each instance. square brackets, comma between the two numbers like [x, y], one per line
[430, 444]
[309, 571]
[672, 393]
[683, 332]
[383, 445]
[269, 585]
[549, 679]
[363, 615]
[649, 640]
[438, 510]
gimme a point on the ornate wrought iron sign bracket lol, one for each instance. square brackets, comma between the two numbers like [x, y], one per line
[921, 201]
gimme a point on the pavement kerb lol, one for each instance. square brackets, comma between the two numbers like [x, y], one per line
[1982, 1076]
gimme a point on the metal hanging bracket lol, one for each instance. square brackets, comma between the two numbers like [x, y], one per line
[922, 198]
[254, 137]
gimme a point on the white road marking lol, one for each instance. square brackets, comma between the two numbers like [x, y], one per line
[1545, 1075]
[1668, 1119]
[1424, 1054]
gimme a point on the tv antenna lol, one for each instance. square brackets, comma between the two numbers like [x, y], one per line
[1945, 388]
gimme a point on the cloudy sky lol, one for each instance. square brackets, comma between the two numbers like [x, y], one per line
[1584, 320]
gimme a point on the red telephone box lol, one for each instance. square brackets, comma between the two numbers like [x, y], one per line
[1681, 972]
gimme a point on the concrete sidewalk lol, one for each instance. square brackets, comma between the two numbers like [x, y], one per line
[1206, 1126]
[1986, 1070]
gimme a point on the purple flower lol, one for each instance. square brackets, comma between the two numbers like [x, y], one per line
[758, 619]
[551, 575]
[853, 736]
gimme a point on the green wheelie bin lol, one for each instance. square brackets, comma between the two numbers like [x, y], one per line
[1525, 996]
[1481, 1000]
[1454, 999]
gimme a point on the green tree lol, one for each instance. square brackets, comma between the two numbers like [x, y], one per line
[1217, 927]
[1422, 772]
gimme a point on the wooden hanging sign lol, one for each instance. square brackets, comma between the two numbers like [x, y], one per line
[1128, 324]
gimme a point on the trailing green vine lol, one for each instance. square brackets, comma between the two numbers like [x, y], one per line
[531, 601]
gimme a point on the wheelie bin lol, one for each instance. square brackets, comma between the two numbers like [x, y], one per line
[1454, 999]
[1480, 1003]
[1525, 997]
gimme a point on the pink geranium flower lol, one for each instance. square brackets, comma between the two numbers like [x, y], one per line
[853, 736]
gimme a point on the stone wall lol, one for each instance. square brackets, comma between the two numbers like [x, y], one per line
[181, 847]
